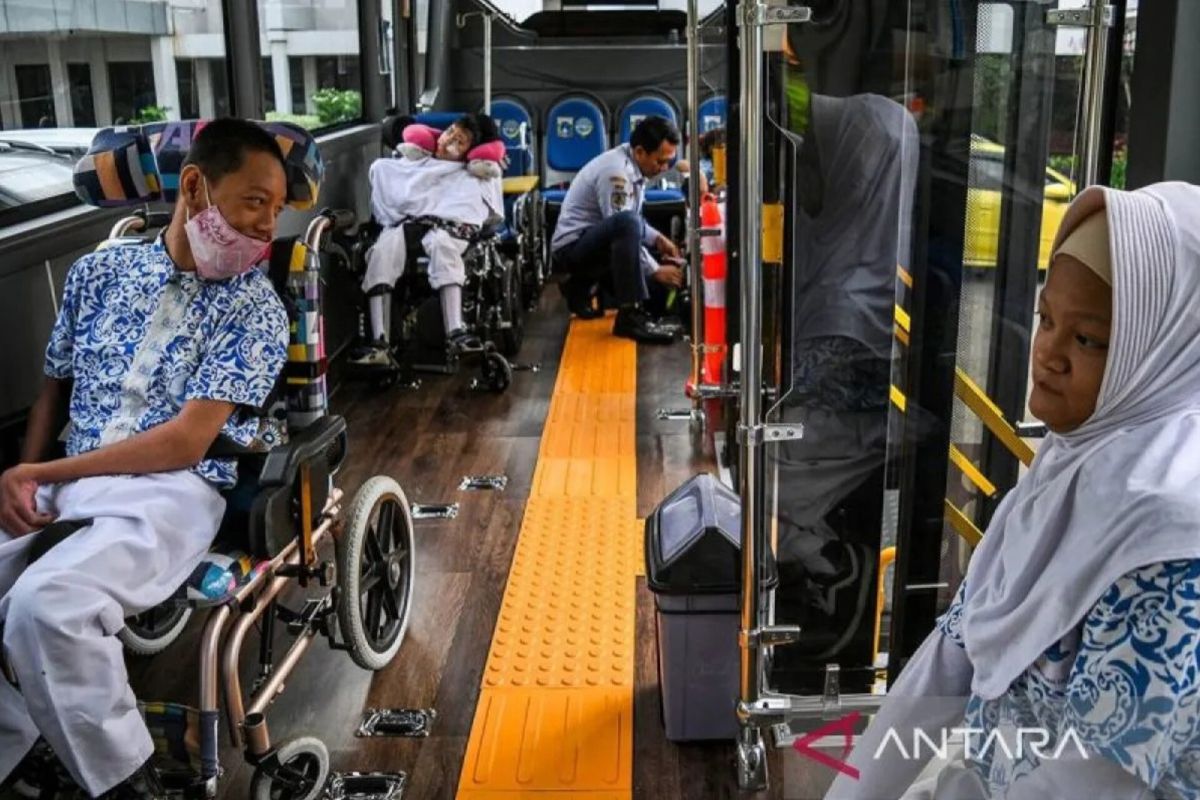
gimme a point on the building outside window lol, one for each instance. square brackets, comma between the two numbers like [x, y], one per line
[313, 77]
[35, 95]
[83, 102]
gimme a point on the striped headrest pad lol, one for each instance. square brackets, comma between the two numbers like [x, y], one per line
[139, 164]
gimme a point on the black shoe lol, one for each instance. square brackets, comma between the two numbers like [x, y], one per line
[581, 298]
[40, 774]
[141, 785]
[671, 323]
[633, 323]
[460, 341]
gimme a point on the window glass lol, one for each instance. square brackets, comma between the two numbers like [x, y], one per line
[311, 70]
[67, 73]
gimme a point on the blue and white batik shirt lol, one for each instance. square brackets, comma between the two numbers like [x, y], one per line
[140, 338]
[1125, 683]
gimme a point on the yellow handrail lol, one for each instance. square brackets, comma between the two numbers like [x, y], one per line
[886, 557]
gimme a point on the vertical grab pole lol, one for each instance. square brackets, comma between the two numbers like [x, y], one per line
[487, 64]
[461, 21]
[1097, 18]
[751, 751]
[693, 219]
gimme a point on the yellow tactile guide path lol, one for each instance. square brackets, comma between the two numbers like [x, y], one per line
[555, 713]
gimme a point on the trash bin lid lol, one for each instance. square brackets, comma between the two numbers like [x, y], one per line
[693, 540]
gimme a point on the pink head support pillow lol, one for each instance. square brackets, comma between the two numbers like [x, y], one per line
[426, 138]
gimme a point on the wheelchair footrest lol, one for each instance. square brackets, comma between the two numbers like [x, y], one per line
[312, 617]
[366, 786]
[409, 723]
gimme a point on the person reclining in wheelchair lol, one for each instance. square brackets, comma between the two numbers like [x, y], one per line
[439, 194]
[157, 350]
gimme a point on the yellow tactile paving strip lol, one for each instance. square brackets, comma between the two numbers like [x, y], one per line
[555, 713]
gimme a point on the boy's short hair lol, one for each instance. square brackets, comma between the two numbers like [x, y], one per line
[488, 132]
[221, 146]
[651, 132]
[470, 124]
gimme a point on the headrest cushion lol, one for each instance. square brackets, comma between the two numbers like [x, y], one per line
[141, 164]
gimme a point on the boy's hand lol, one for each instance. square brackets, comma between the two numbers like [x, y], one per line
[18, 503]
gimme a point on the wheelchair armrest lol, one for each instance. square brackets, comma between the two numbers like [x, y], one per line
[224, 447]
[489, 230]
[310, 444]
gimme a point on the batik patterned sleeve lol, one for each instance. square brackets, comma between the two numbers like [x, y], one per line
[246, 353]
[950, 623]
[1133, 696]
[60, 350]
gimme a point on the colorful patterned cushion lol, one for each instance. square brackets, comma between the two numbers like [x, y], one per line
[141, 164]
[218, 576]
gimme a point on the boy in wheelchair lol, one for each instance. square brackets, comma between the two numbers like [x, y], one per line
[438, 195]
[158, 349]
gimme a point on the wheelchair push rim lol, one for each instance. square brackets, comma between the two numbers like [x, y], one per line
[376, 568]
[153, 631]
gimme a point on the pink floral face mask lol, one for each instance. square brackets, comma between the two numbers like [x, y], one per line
[220, 250]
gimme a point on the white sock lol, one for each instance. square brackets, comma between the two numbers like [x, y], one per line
[451, 297]
[379, 306]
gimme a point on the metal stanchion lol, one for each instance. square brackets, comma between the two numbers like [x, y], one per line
[1097, 19]
[693, 219]
[487, 54]
[753, 433]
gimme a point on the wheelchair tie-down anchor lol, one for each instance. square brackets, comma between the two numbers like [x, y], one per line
[281, 519]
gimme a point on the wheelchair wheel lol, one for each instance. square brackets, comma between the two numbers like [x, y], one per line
[151, 632]
[512, 311]
[305, 763]
[375, 557]
[497, 372]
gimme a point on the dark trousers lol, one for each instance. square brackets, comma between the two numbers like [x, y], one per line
[609, 254]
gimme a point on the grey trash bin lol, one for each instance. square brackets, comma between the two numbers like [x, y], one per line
[693, 565]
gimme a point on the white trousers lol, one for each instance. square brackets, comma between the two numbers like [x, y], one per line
[61, 616]
[387, 258]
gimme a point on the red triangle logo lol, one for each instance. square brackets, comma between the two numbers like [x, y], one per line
[843, 726]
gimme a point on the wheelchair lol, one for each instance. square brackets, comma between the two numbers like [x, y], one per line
[525, 242]
[493, 309]
[281, 520]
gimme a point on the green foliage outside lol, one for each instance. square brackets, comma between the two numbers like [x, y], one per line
[1120, 160]
[337, 105]
[308, 121]
[149, 114]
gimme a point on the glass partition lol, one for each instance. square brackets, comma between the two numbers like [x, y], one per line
[920, 162]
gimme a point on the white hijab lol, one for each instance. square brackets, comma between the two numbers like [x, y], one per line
[1122, 491]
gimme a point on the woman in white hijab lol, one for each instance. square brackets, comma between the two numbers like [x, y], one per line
[1071, 653]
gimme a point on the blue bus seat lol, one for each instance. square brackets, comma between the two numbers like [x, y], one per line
[576, 132]
[439, 119]
[515, 122]
[713, 114]
[642, 105]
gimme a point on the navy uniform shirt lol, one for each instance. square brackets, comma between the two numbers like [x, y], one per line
[609, 184]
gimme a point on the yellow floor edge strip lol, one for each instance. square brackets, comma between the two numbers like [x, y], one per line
[555, 714]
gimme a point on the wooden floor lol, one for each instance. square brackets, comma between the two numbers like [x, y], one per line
[428, 440]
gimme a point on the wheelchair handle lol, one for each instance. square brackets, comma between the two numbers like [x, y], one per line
[339, 219]
[140, 221]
